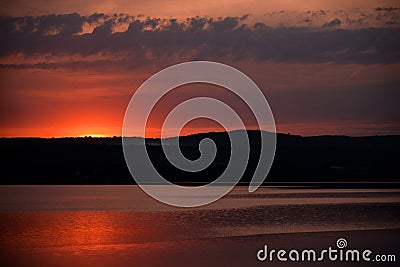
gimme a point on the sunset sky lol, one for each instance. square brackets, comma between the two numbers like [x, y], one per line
[69, 68]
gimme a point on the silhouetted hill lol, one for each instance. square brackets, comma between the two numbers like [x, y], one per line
[320, 159]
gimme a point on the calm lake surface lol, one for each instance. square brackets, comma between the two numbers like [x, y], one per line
[58, 225]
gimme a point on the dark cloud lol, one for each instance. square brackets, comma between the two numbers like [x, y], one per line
[389, 9]
[332, 23]
[224, 39]
[104, 29]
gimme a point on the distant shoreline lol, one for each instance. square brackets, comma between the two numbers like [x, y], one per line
[321, 161]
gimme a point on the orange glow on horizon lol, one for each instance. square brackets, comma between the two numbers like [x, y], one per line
[304, 129]
[65, 103]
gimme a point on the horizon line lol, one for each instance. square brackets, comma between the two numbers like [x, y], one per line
[100, 136]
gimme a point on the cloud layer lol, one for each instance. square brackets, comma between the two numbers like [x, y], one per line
[139, 40]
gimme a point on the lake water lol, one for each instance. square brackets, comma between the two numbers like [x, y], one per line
[56, 225]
